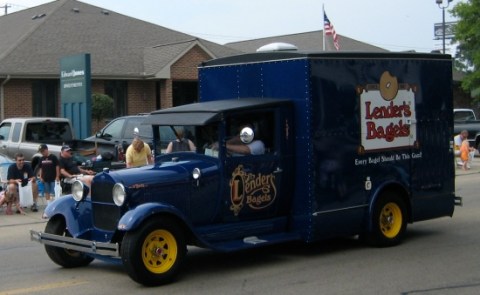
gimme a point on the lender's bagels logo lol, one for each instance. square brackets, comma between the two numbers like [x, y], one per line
[257, 191]
[387, 114]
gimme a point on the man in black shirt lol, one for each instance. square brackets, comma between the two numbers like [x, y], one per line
[20, 173]
[70, 170]
[49, 171]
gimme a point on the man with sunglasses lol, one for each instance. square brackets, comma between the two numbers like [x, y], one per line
[20, 173]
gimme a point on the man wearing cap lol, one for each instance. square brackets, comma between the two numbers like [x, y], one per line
[49, 171]
[69, 169]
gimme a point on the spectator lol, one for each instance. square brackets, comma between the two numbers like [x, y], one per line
[466, 154]
[181, 144]
[138, 154]
[20, 173]
[70, 170]
[49, 172]
[458, 139]
[463, 149]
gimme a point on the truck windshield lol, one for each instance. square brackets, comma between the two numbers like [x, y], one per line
[182, 138]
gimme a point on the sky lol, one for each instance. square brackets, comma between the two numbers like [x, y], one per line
[393, 25]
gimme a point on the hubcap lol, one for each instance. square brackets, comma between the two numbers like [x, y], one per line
[159, 251]
[391, 220]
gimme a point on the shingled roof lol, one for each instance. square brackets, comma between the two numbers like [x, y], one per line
[33, 41]
[308, 41]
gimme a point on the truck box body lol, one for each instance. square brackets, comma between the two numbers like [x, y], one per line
[289, 146]
[335, 153]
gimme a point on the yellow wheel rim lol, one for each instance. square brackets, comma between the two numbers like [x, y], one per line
[391, 220]
[159, 251]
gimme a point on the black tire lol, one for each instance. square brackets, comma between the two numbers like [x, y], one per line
[154, 253]
[389, 221]
[61, 256]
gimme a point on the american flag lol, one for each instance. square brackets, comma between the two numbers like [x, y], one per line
[330, 30]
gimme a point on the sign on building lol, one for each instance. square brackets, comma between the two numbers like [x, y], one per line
[76, 93]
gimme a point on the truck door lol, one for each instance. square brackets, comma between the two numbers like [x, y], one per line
[255, 183]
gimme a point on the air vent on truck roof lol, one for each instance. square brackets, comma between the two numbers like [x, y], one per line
[277, 46]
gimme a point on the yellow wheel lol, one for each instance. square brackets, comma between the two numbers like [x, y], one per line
[159, 251]
[391, 220]
[154, 252]
[388, 220]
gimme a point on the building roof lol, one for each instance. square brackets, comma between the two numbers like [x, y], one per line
[310, 41]
[33, 41]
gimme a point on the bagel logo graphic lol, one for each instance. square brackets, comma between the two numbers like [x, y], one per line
[257, 191]
[387, 114]
[388, 86]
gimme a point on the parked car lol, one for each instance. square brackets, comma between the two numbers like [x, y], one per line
[121, 131]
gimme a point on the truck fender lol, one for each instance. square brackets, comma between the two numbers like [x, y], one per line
[133, 218]
[376, 193]
[77, 215]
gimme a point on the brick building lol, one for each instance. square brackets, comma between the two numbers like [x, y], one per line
[142, 66]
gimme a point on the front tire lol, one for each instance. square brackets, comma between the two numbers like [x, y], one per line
[389, 221]
[153, 254]
[64, 257]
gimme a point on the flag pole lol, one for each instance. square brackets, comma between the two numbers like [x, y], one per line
[323, 30]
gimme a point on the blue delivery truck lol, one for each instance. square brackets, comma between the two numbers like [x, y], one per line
[283, 146]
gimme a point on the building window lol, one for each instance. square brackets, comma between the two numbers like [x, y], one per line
[118, 91]
[184, 93]
[44, 98]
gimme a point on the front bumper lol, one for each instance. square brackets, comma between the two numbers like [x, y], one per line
[85, 246]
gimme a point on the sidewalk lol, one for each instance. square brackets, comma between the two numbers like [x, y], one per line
[17, 219]
[474, 167]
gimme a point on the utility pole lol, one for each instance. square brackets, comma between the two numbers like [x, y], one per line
[6, 6]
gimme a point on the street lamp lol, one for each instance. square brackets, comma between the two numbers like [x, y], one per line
[440, 2]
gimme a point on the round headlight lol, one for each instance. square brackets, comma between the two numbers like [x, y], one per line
[118, 193]
[77, 191]
[196, 173]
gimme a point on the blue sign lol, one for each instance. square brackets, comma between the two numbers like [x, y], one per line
[76, 93]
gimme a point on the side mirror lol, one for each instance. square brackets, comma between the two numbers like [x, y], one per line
[247, 135]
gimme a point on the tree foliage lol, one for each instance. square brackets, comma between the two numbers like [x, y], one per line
[467, 34]
[102, 107]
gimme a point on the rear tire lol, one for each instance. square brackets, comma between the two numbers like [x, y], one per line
[389, 221]
[64, 257]
[153, 254]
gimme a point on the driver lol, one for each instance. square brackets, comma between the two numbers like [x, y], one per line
[236, 147]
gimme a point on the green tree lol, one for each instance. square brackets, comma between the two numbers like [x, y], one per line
[102, 107]
[467, 34]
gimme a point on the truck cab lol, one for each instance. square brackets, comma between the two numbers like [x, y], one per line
[223, 183]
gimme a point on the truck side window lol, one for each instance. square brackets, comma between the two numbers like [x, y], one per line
[17, 128]
[5, 131]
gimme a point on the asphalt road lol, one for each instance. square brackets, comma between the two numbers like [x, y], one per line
[438, 257]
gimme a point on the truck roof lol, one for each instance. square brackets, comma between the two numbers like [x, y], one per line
[36, 119]
[206, 112]
[284, 55]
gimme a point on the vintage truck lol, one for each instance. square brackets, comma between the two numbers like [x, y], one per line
[465, 119]
[354, 144]
[23, 135]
